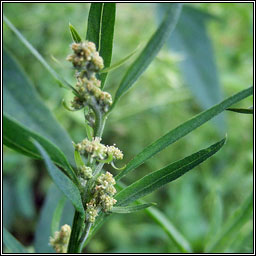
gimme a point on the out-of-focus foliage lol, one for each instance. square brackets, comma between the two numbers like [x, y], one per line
[201, 202]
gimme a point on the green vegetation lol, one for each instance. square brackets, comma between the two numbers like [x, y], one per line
[170, 96]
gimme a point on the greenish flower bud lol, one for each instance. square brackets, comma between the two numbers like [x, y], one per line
[117, 153]
[85, 172]
[107, 202]
[91, 211]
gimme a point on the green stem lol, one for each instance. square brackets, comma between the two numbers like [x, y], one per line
[77, 226]
[98, 118]
[89, 131]
[91, 182]
[84, 237]
[98, 169]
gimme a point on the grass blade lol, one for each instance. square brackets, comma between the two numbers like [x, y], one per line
[74, 34]
[157, 179]
[233, 225]
[150, 51]
[68, 188]
[130, 209]
[183, 130]
[38, 56]
[11, 243]
[100, 30]
[241, 110]
[57, 215]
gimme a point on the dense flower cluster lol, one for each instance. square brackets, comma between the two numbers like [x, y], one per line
[98, 150]
[85, 58]
[87, 62]
[84, 174]
[61, 238]
[102, 196]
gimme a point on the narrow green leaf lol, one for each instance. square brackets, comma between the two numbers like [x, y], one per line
[95, 23]
[57, 215]
[170, 230]
[119, 63]
[198, 66]
[69, 189]
[38, 56]
[130, 209]
[78, 159]
[23, 105]
[158, 217]
[150, 51]
[16, 136]
[74, 34]
[232, 226]
[157, 179]
[100, 30]
[107, 36]
[183, 130]
[11, 243]
[241, 110]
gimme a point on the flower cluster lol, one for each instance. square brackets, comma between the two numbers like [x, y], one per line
[102, 197]
[85, 173]
[85, 58]
[87, 62]
[61, 238]
[98, 150]
[91, 211]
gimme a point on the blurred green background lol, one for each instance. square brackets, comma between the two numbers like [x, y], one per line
[161, 99]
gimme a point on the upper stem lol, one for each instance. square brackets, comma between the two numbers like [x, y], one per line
[77, 227]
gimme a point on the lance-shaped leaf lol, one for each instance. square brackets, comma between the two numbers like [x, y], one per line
[78, 159]
[16, 136]
[183, 130]
[241, 110]
[23, 105]
[68, 188]
[191, 41]
[62, 82]
[158, 217]
[11, 243]
[150, 51]
[130, 209]
[74, 34]
[119, 63]
[157, 179]
[100, 30]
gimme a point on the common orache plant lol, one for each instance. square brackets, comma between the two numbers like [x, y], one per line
[87, 181]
